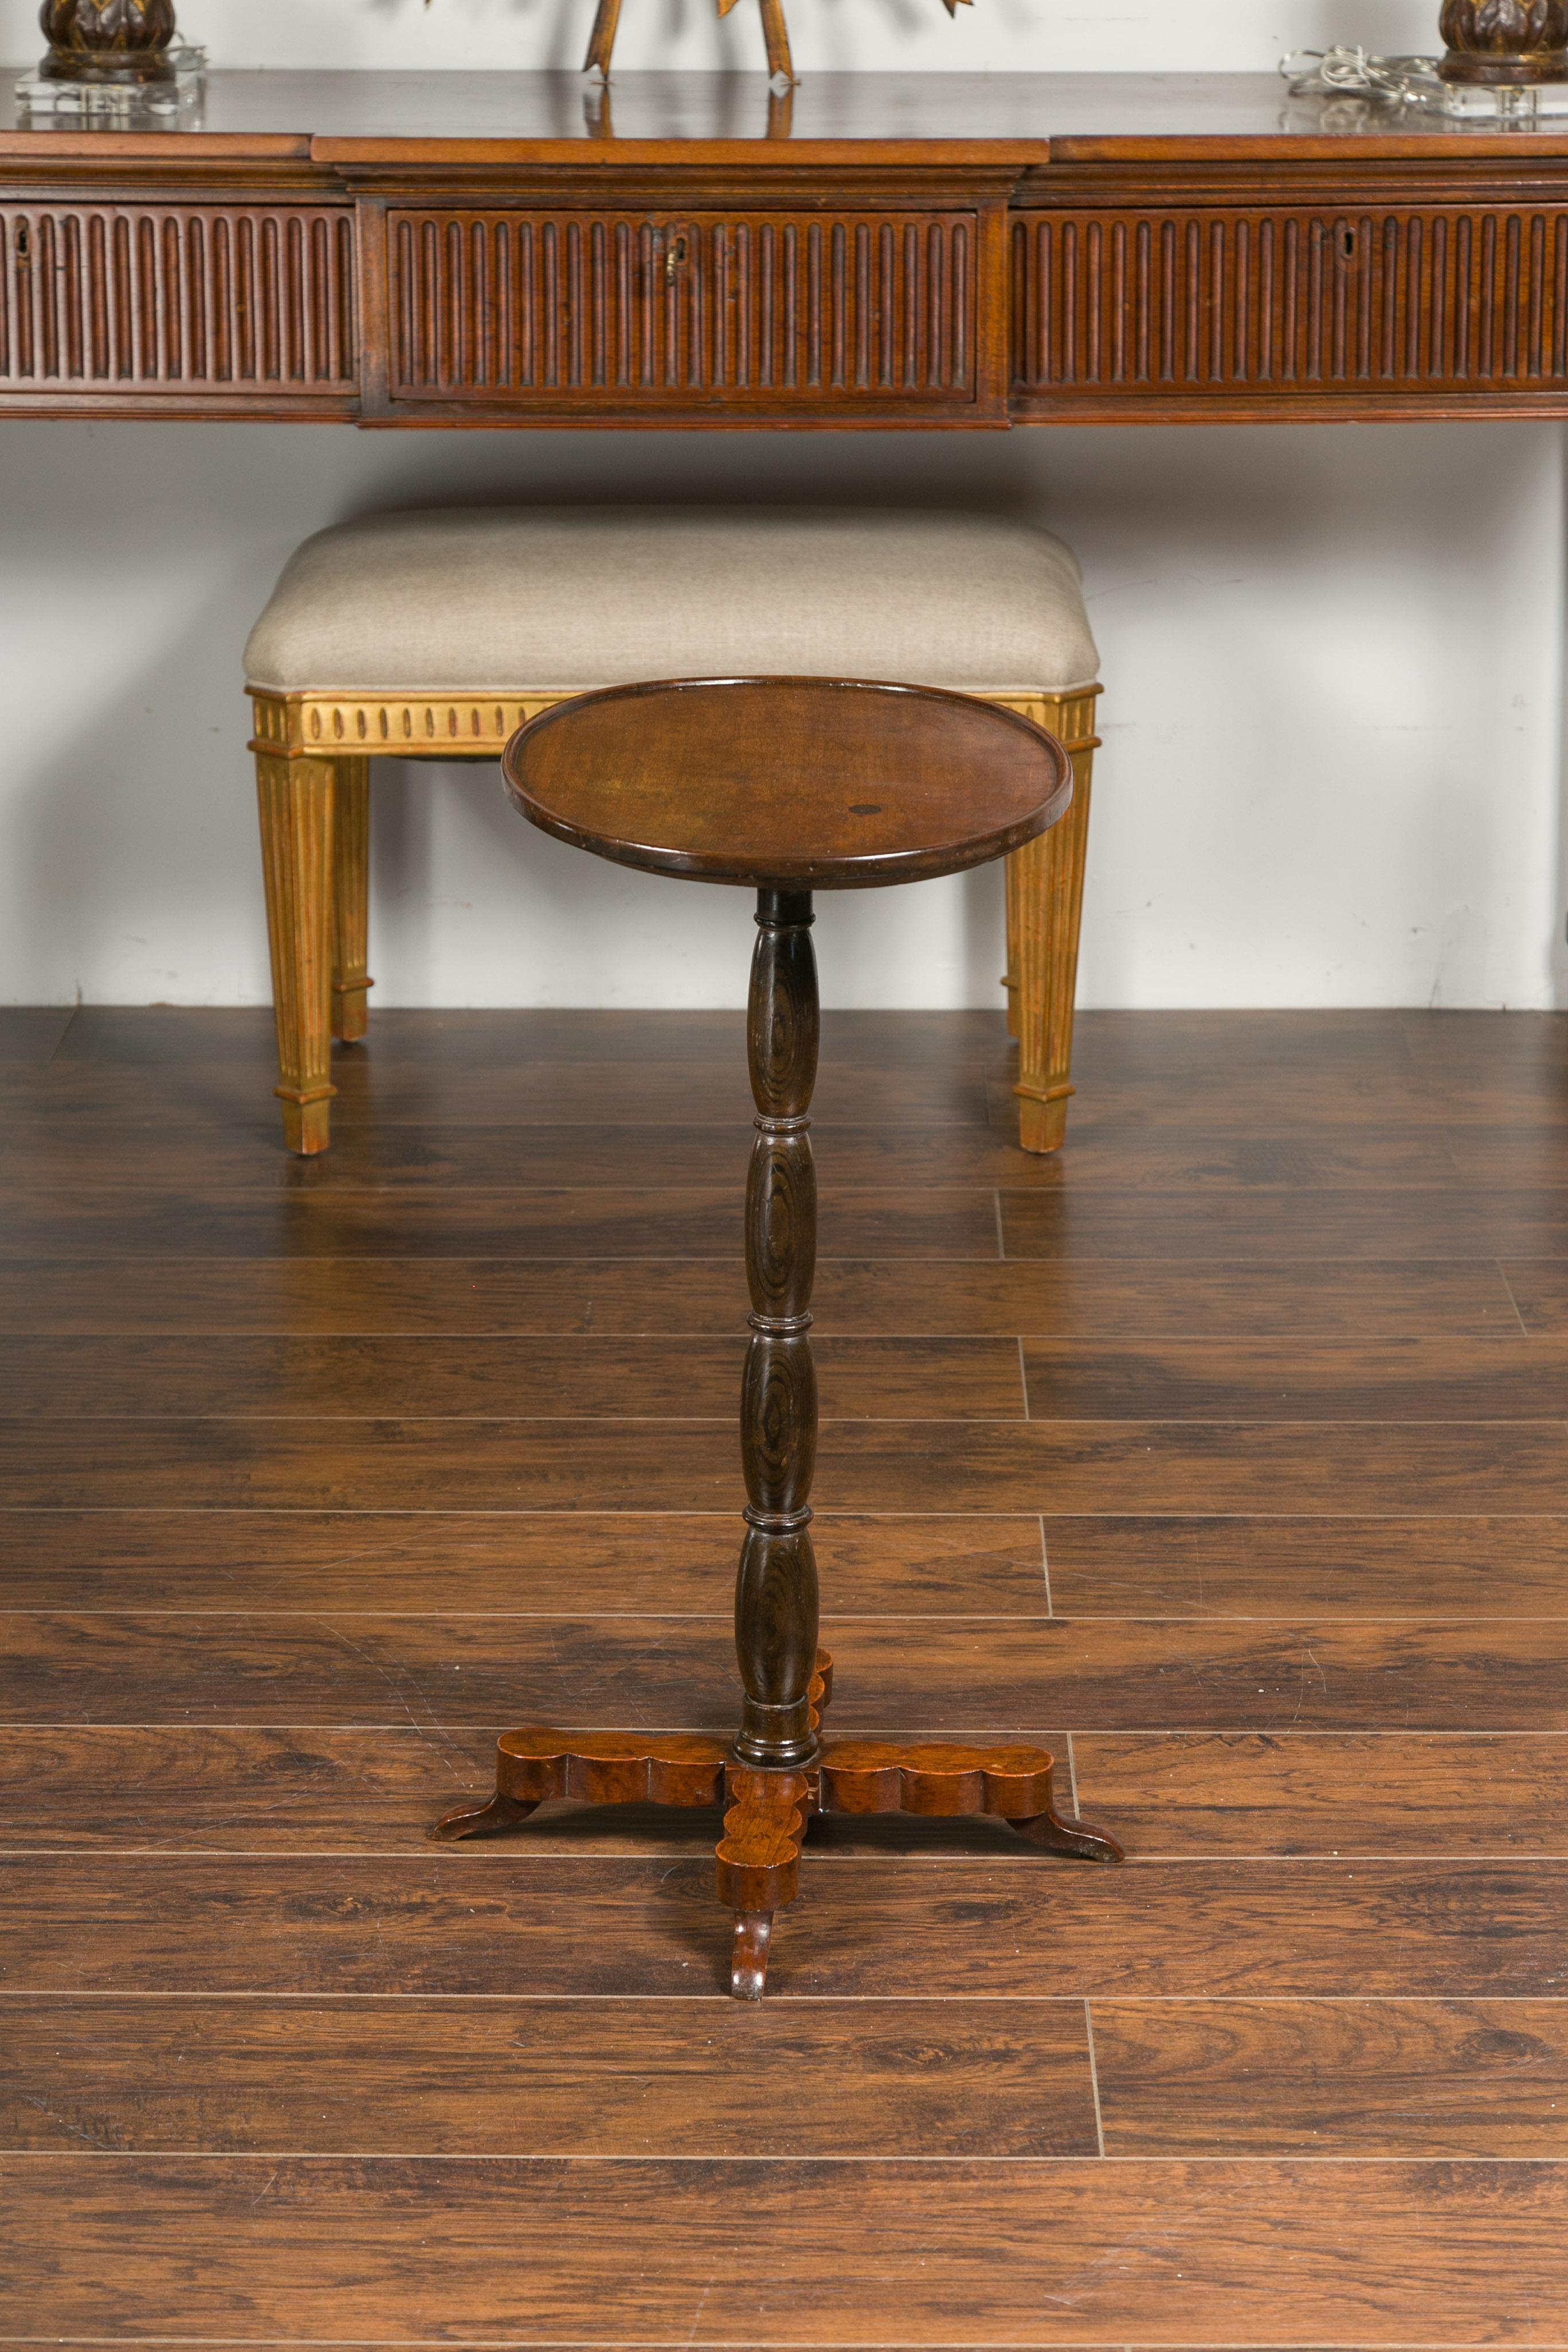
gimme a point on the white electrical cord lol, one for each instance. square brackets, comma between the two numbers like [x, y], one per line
[1345, 71]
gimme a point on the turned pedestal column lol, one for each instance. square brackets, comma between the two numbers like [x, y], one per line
[775, 1589]
[785, 785]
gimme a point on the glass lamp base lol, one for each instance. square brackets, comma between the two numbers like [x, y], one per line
[111, 103]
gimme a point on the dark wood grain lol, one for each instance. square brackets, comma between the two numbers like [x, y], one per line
[1163, 1466]
[578, 1465]
[173, 1039]
[1257, 1565]
[636, 1223]
[238, 1155]
[1057, 250]
[1305, 1100]
[265, 1791]
[1306, 1097]
[1185, 1795]
[1495, 1156]
[887, 1378]
[1127, 1155]
[1456, 1037]
[484, 1919]
[1191, 304]
[952, 1676]
[1334, 2078]
[431, 1562]
[224, 1789]
[1242, 2252]
[773, 312]
[1257, 1054]
[1540, 1290]
[1503, 1376]
[30, 1033]
[795, 784]
[1348, 1793]
[562, 2078]
[235, 1153]
[1376, 1222]
[181, 309]
[1478, 1095]
[461, 1296]
[1277, 1645]
[425, 1092]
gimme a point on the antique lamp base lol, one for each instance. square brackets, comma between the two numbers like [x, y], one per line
[1464, 66]
[131, 67]
[1504, 44]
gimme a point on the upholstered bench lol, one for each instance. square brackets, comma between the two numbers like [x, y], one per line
[435, 634]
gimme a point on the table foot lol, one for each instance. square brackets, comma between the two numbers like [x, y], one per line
[481, 1820]
[945, 1781]
[1078, 1840]
[601, 1768]
[757, 1863]
[748, 1954]
[607, 1768]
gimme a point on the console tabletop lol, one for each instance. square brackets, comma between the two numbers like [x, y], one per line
[877, 249]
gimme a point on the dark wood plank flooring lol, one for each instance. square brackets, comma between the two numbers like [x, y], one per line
[1228, 1453]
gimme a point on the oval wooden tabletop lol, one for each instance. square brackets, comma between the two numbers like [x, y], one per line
[788, 783]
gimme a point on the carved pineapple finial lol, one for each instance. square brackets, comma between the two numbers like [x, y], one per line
[1505, 40]
[108, 40]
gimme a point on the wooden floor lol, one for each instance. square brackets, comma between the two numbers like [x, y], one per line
[1229, 1452]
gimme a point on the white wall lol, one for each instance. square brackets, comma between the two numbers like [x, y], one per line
[1333, 766]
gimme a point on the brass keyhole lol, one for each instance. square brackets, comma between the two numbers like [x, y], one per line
[23, 242]
[675, 257]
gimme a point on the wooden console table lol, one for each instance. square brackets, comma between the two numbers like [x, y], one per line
[871, 250]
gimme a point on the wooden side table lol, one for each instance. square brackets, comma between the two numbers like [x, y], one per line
[787, 785]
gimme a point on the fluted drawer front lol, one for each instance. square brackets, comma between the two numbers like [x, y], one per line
[626, 311]
[177, 299]
[1376, 300]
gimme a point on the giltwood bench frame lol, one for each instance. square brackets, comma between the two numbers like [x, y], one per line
[313, 766]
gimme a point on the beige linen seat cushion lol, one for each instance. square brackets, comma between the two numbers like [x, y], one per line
[494, 600]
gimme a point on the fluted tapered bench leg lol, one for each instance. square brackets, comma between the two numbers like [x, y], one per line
[296, 796]
[1044, 917]
[351, 899]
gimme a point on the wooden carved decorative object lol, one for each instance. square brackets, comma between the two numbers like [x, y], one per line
[112, 41]
[855, 786]
[1502, 41]
[775, 33]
